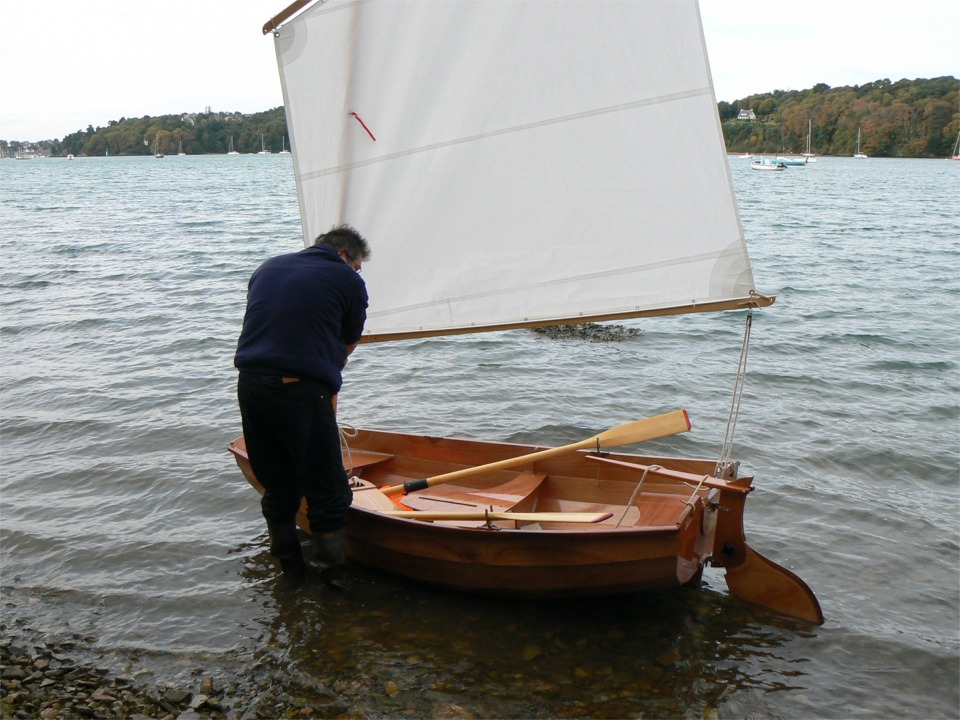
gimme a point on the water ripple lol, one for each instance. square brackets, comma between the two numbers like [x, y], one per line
[122, 295]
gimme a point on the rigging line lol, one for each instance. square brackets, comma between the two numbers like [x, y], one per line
[347, 431]
[690, 503]
[636, 491]
[727, 450]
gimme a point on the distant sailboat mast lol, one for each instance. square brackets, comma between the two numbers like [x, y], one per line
[859, 155]
[809, 153]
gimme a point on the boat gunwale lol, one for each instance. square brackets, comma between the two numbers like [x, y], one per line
[665, 486]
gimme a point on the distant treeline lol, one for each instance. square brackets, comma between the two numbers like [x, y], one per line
[909, 118]
[200, 133]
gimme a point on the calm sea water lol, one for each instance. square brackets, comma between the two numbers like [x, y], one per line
[123, 518]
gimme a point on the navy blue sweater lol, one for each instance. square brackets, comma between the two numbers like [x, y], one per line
[303, 310]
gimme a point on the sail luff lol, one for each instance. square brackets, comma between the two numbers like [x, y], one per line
[515, 163]
[721, 142]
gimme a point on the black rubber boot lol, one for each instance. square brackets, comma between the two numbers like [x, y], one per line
[285, 546]
[331, 557]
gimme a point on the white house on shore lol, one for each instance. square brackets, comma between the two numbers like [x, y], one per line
[747, 115]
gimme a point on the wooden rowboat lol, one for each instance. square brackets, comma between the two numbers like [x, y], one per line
[659, 522]
[509, 186]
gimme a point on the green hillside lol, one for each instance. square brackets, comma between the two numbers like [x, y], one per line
[909, 118]
[199, 133]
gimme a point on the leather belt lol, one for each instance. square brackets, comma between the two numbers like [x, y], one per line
[288, 380]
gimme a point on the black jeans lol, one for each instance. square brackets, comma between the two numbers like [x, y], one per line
[294, 449]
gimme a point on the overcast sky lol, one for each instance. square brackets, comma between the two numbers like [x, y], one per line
[68, 64]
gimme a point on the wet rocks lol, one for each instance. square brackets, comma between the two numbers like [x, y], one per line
[38, 679]
[589, 332]
[59, 677]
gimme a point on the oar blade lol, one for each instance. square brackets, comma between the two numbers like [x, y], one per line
[371, 498]
[649, 428]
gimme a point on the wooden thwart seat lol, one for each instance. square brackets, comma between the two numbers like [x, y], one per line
[358, 459]
[354, 460]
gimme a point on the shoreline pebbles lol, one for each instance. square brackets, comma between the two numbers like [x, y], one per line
[41, 678]
[51, 675]
[46, 676]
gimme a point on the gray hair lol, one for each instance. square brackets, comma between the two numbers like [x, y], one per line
[346, 238]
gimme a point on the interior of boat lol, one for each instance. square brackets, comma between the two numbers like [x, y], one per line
[645, 494]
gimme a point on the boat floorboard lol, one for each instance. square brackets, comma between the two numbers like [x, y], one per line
[518, 494]
[653, 511]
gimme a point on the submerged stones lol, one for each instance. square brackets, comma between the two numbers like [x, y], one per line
[38, 679]
[588, 332]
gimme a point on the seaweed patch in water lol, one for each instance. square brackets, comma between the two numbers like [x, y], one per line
[590, 332]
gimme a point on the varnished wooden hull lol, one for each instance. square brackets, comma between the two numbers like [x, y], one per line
[518, 562]
[663, 542]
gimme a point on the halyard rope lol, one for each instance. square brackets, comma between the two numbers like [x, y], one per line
[347, 431]
[727, 450]
[690, 503]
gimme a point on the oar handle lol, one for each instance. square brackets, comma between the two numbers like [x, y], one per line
[424, 483]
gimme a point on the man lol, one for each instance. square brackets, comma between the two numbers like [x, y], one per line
[305, 313]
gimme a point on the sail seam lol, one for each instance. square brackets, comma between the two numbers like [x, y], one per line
[609, 110]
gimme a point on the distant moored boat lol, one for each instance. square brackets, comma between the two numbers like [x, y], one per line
[859, 155]
[767, 164]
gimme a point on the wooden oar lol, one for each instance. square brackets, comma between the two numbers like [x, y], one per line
[657, 426]
[370, 498]
[572, 517]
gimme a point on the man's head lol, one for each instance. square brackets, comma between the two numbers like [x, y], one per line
[349, 244]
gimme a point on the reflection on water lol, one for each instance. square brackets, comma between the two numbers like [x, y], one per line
[396, 649]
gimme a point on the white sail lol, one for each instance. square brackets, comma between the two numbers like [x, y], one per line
[515, 163]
